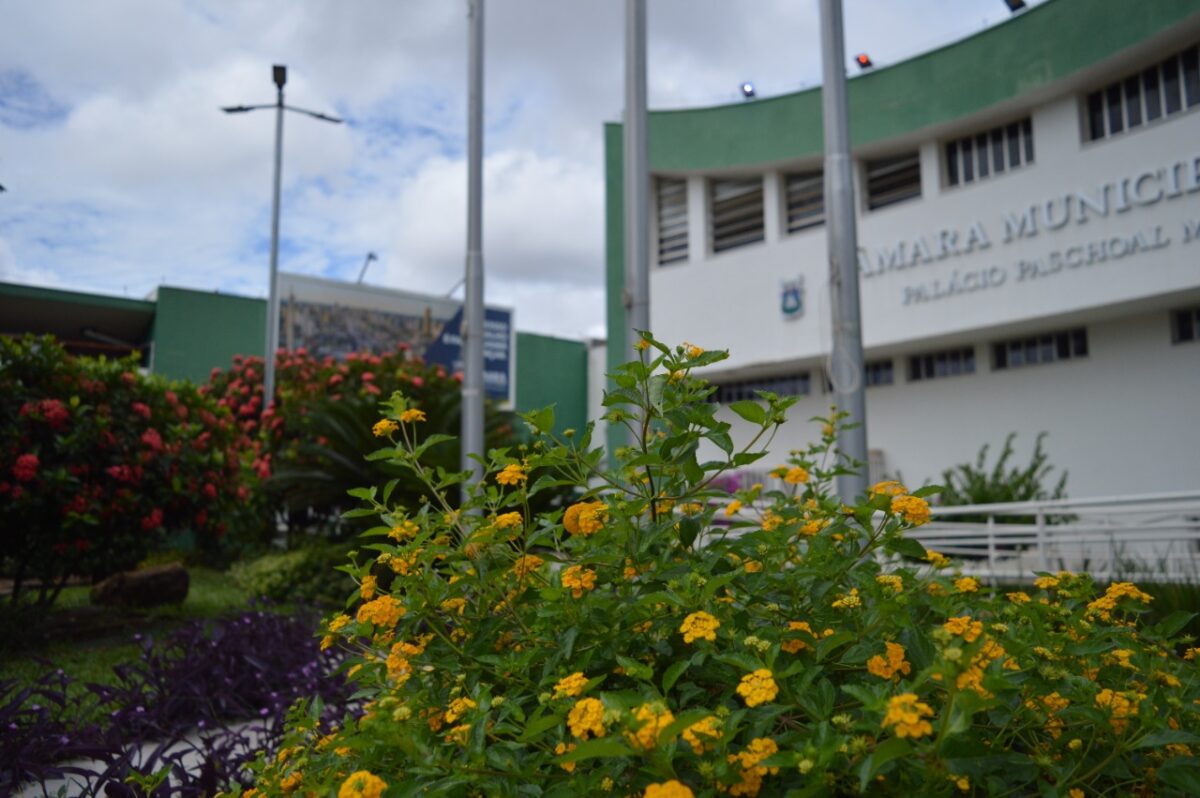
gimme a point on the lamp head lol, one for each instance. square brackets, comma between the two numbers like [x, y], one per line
[747, 89]
[279, 73]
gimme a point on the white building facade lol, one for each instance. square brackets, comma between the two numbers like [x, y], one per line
[1029, 232]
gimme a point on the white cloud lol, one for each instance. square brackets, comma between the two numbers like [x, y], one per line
[144, 180]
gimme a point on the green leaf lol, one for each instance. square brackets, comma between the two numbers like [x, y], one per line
[1171, 624]
[537, 725]
[751, 411]
[596, 749]
[673, 673]
[432, 440]
[692, 469]
[1167, 737]
[689, 528]
[635, 669]
[906, 547]
[540, 420]
[885, 752]
[928, 490]
[1182, 773]
[388, 488]
[746, 458]
[716, 583]
[722, 440]
[741, 661]
[682, 721]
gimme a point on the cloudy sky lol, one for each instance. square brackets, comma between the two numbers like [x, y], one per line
[122, 174]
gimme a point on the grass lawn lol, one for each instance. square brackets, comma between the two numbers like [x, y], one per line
[87, 641]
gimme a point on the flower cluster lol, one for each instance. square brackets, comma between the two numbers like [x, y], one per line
[699, 626]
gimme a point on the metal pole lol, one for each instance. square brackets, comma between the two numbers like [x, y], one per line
[846, 359]
[473, 315]
[637, 177]
[273, 287]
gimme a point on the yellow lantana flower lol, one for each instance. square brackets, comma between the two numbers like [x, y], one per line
[702, 734]
[914, 510]
[362, 784]
[893, 666]
[578, 579]
[570, 686]
[384, 611]
[384, 427]
[888, 488]
[412, 415]
[796, 476]
[654, 718]
[585, 518]
[509, 520]
[907, 716]
[758, 687]
[668, 789]
[699, 626]
[586, 717]
[512, 474]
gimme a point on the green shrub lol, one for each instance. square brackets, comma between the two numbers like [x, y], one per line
[658, 640]
[303, 575]
[976, 483]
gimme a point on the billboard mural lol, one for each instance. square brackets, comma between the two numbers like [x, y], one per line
[331, 318]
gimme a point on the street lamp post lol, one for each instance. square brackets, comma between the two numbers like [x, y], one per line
[279, 73]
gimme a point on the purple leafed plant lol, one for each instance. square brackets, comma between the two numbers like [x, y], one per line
[198, 705]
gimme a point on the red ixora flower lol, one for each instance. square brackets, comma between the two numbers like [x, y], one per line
[55, 413]
[26, 468]
[153, 520]
[152, 439]
[121, 473]
[141, 409]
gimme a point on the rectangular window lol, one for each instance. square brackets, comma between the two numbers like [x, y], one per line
[1168, 87]
[1032, 350]
[790, 385]
[672, 220]
[947, 363]
[1116, 120]
[892, 180]
[1170, 69]
[878, 372]
[1191, 76]
[1153, 97]
[1185, 325]
[1133, 101]
[992, 152]
[735, 212]
[805, 200]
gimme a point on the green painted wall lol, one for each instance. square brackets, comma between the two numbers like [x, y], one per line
[552, 371]
[195, 331]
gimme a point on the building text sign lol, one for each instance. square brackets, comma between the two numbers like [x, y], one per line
[1070, 209]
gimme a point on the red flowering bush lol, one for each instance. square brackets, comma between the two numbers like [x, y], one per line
[312, 441]
[100, 464]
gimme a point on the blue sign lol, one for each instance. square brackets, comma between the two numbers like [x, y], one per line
[791, 298]
[497, 336]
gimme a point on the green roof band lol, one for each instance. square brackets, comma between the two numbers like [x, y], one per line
[1051, 41]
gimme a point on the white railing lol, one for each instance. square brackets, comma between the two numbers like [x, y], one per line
[1150, 538]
